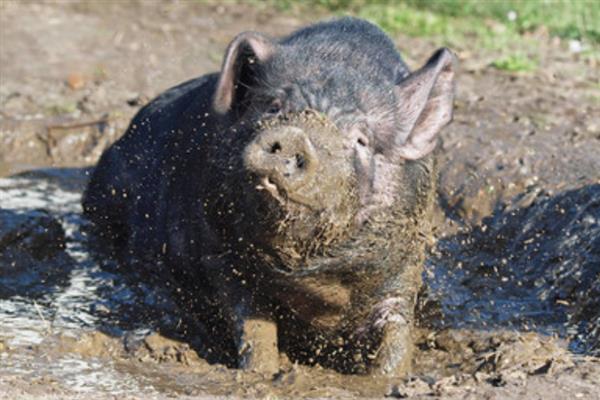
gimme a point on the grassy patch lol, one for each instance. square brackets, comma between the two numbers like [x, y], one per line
[501, 26]
[61, 108]
[515, 63]
[408, 20]
[568, 19]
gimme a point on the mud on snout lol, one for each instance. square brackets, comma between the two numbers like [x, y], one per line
[302, 174]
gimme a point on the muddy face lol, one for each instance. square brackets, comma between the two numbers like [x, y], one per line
[334, 132]
[305, 157]
[301, 173]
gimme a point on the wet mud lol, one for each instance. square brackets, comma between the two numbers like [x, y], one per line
[511, 301]
[74, 321]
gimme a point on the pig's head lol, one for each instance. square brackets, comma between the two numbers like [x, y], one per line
[330, 131]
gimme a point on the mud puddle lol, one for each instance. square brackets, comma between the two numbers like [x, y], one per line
[73, 322]
[512, 303]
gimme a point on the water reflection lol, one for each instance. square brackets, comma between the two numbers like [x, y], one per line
[528, 268]
[532, 268]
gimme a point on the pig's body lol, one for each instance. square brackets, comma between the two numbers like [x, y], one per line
[266, 210]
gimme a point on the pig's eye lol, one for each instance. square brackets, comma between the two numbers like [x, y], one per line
[274, 107]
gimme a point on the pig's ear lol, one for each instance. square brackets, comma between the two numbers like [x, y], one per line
[425, 102]
[245, 49]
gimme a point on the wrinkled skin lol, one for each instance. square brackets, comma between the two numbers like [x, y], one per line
[292, 189]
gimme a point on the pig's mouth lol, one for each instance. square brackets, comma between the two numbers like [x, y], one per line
[267, 184]
[282, 197]
[289, 226]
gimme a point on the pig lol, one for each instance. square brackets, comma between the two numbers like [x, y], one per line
[289, 195]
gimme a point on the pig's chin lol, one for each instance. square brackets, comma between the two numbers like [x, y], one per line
[271, 192]
[287, 201]
[281, 215]
[289, 230]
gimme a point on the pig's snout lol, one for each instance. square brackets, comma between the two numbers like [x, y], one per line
[283, 158]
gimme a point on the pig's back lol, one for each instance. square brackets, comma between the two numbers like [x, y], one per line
[123, 197]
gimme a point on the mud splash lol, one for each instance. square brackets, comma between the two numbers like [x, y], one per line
[512, 305]
[74, 322]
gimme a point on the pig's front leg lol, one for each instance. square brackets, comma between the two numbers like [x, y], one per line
[393, 318]
[257, 345]
[254, 335]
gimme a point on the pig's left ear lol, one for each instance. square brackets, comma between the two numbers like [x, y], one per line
[245, 49]
[425, 102]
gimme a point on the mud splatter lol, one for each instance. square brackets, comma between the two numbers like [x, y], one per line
[511, 306]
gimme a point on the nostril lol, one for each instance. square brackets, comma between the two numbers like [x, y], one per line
[300, 161]
[275, 148]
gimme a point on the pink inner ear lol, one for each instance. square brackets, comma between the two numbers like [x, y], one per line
[425, 106]
[261, 46]
[412, 152]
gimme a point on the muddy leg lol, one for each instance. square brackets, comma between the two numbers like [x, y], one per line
[394, 356]
[258, 346]
[254, 336]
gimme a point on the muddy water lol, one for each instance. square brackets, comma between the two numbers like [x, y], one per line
[534, 265]
[515, 297]
[512, 305]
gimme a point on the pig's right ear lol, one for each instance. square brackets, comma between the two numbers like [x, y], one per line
[247, 48]
[425, 103]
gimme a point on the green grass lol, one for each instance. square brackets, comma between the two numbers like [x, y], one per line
[515, 63]
[506, 28]
[61, 108]
[568, 19]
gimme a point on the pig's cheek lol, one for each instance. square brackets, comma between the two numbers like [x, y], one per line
[363, 165]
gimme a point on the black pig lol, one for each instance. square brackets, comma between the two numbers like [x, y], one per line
[291, 191]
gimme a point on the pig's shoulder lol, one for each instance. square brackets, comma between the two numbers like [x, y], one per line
[154, 124]
[178, 98]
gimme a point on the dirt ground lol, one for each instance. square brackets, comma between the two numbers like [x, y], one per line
[511, 308]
